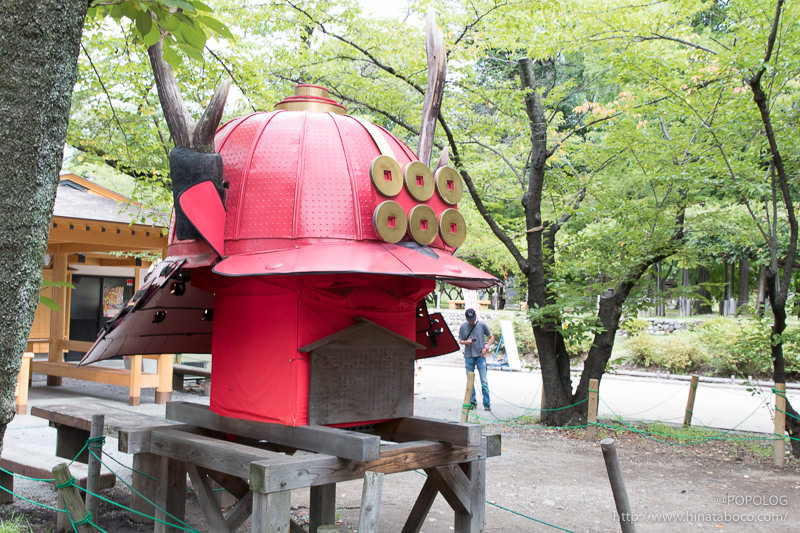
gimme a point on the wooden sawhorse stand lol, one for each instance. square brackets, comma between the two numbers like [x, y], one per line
[315, 457]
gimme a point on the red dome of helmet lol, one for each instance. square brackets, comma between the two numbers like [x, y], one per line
[308, 189]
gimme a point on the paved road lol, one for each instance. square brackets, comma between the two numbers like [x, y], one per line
[442, 381]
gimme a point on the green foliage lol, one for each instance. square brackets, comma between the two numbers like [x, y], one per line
[634, 325]
[523, 335]
[678, 353]
[184, 25]
[16, 524]
[743, 347]
[49, 302]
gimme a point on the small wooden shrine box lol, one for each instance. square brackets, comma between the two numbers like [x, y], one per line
[363, 372]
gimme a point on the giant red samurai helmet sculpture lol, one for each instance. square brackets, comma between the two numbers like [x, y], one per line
[308, 228]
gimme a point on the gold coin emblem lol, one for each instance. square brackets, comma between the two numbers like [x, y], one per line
[390, 221]
[449, 185]
[386, 175]
[422, 224]
[419, 181]
[452, 228]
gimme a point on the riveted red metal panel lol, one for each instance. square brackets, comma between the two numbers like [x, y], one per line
[325, 199]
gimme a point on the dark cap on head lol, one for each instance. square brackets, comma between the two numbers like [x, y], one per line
[470, 314]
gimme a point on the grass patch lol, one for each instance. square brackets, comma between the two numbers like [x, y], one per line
[15, 524]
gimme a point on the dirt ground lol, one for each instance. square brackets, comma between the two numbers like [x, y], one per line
[551, 480]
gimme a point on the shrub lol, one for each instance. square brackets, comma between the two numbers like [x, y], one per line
[634, 326]
[742, 347]
[677, 353]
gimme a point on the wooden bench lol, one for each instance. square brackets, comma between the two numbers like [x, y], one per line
[459, 304]
[32, 463]
[179, 373]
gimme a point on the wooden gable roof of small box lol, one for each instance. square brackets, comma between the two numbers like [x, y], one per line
[363, 373]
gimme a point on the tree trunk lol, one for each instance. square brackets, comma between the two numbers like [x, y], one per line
[778, 304]
[743, 293]
[762, 290]
[684, 302]
[39, 44]
[702, 304]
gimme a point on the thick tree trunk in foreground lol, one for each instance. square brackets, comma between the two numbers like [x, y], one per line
[39, 43]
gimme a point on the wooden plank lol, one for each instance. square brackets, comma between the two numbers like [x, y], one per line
[416, 518]
[189, 370]
[206, 452]
[78, 415]
[451, 481]
[208, 503]
[170, 496]
[331, 441]
[375, 369]
[418, 428]
[370, 502]
[271, 512]
[31, 463]
[322, 507]
[293, 473]
[112, 376]
[474, 520]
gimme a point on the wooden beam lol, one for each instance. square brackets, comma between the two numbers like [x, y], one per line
[208, 503]
[451, 481]
[212, 454]
[416, 518]
[332, 441]
[112, 376]
[116, 236]
[418, 428]
[268, 476]
[241, 512]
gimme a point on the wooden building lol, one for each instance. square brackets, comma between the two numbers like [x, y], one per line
[96, 245]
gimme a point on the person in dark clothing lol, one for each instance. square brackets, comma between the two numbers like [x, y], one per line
[472, 334]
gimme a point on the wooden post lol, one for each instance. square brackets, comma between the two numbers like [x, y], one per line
[164, 370]
[135, 386]
[591, 430]
[71, 498]
[56, 342]
[23, 383]
[687, 418]
[626, 521]
[271, 512]
[170, 495]
[145, 475]
[93, 477]
[466, 406]
[778, 446]
[322, 507]
[473, 520]
[370, 502]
